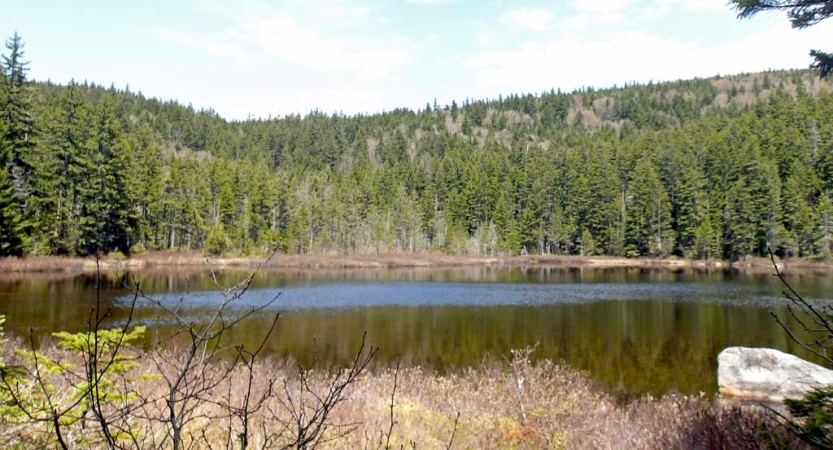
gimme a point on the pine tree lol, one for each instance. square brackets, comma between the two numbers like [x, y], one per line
[824, 229]
[16, 110]
[505, 223]
[692, 212]
[55, 200]
[149, 192]
[12, 233]
[799, 190]
[706, 242]
[648, 229]
[117, 183]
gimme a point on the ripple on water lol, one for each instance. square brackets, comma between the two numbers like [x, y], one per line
[345, 295]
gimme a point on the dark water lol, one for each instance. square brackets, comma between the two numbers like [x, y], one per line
[634, 330]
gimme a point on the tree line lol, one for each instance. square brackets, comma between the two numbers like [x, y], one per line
[719, 168]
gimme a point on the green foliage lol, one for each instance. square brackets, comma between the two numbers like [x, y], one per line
[97, 383]
[104, 340]
[823, 62]
[15, 126]
[813, 416]
[108, 348]
[217, 241]
[7, 373]
[649, 232]
[16, 111]
[12, 233]
[644, 170]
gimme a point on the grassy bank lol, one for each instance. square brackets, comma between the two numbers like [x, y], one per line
[193, 260]
[182, 260]
[505, 404]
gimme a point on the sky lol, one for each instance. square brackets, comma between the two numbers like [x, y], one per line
[258, 58]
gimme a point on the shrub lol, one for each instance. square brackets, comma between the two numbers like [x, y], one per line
[217, 241]
[137, 249]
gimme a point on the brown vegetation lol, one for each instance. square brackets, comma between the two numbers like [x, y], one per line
[516, 404]
[165, 259]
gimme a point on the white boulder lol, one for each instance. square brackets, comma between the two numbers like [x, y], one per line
[767, 374]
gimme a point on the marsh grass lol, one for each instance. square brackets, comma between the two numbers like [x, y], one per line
[327, 260]
[515, 403]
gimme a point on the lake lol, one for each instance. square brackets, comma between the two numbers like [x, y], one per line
[634, 331]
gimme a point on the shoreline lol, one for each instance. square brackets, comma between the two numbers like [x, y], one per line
[280, 262]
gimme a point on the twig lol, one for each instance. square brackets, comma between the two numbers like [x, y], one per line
[392, 403]
[453, 432]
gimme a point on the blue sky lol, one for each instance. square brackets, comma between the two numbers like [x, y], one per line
[260, 58]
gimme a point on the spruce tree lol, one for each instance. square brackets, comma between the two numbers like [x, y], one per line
[12, 233]
[118, 216]
[648, 229]
[16, 110]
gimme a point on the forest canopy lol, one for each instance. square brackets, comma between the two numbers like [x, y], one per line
[705, 168]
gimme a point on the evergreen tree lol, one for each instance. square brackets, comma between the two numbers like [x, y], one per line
[12, 233]
[649, 214]
[117, 216]
[684, 173]
[16, 110]
[691, 213]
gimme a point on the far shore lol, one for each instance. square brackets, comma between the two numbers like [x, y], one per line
[330, 261]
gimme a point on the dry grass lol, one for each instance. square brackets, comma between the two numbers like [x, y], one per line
[180, 260]
[513, 404]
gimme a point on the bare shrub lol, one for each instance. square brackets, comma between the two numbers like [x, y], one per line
[269, 403]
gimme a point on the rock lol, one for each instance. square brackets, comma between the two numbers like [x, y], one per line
[767, 374]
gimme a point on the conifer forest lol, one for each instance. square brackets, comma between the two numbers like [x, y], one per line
[719, 168]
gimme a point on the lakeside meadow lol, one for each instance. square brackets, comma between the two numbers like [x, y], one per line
[513, 403]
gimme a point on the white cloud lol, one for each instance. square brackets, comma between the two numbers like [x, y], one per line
[217, 45]
[261, 33]
[486, 38]
[700, 5]
[637, 56]
[601, 6]
[584, 20]
[428, 2]
[299, 58]
[283, 37]
[342, 14]
[659, 8]
[597, 13]
[535, 19]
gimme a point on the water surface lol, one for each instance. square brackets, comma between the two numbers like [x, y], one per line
[634, 330]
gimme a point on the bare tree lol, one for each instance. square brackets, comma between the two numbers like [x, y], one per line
[811, 417]
[201, 361]
[310, 404]
[815, 322]
[196, 378]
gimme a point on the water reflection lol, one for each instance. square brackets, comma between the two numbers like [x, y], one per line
[633, 330]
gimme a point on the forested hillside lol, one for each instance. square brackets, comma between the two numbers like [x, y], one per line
[705, 168]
